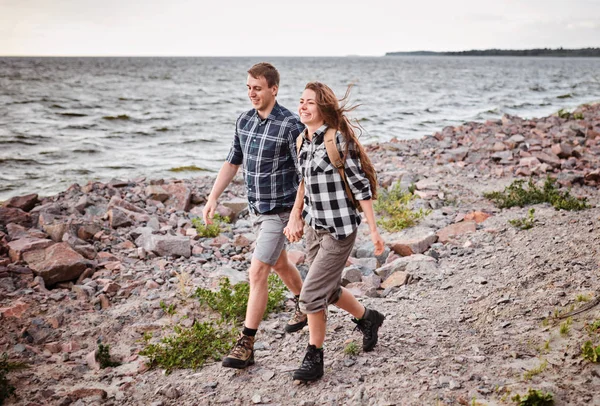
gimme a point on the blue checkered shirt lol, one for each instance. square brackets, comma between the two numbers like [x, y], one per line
[326, 205]
[266, 149]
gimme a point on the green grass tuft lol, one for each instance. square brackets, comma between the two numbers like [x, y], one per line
[231, 301]
[394, 207]
[190, 347]
[524, 223]
[534, 398]
[516, 195]
[210, 230]
[6, 388]
[352, 349]
[103, 357]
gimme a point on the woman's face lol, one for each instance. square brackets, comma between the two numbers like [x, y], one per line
[308, 109]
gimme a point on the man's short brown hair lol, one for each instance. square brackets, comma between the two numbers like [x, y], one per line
[267, 71]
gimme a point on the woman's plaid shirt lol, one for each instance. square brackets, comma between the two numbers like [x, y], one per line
[326, 205]
[267, 150]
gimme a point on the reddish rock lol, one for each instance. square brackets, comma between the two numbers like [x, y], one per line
[104, 301]
[25, 203]
[477, 216]
[16, 310]
[156, 192]
[396, 279]
[13, 215]
[241, 241]
[562, 150]
[18, 247]
[180, 196]
[549, 159]
[57, 263]
[111, 287]
[529, 162]
[84, 393]
[151, 285]
[456, 229]
[415, 241]
[593, 176]
[236, 206]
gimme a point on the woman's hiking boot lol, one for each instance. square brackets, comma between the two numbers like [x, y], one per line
[369, 326]
[312, 365]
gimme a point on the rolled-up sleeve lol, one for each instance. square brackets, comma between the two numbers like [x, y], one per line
[236, 155]
[357, 180]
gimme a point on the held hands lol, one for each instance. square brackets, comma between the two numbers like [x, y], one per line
[294, 229]
[209, 211]
[377, 242]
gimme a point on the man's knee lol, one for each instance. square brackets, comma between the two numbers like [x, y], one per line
[258, 272]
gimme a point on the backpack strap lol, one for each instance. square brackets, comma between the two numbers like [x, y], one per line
[299, 140]
[337, 161]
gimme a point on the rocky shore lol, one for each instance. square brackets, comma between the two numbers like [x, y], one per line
[469, 299]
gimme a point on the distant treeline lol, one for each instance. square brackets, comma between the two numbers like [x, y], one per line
[586, 52]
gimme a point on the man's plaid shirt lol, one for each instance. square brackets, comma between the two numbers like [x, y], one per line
[326, 205]
[267, 150]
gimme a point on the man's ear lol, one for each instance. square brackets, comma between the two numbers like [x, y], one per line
[275, 89]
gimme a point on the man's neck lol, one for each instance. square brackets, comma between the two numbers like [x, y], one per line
[265, 113]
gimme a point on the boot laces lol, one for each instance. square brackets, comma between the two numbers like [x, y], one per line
[243, 344]
[311, 359]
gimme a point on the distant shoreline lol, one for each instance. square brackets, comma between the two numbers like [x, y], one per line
[560, 52]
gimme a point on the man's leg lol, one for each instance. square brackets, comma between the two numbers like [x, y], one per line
[258, 275]
[288, 273]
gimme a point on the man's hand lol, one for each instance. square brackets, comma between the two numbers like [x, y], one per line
[377, 242]
[295, 228]
[209, 211]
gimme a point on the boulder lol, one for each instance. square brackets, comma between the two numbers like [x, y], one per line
[25, 203]
[164, 245]
[57, 263]
[180, 196]
[457, 229]
[415, 240]
[14, 215]
[18, 247]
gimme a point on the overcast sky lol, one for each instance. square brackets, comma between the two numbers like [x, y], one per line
[291, 28]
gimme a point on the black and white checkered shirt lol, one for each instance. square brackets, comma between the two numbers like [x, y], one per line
[326, 205]
[267, 150]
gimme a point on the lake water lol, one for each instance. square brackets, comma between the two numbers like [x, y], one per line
[70, 120]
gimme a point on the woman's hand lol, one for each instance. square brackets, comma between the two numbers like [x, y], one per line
[377, 242]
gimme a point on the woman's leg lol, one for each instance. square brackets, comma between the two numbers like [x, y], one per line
[316, 328]
[349, 303]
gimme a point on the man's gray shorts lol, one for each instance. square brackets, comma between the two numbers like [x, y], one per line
[270, 238]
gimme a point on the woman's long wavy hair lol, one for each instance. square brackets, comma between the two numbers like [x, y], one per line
[334, 115]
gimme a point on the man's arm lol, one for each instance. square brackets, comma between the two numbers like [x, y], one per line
[295, 227]
[224, 178]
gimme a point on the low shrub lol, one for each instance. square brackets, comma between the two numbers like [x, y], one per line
[395, 209]
[517, 195]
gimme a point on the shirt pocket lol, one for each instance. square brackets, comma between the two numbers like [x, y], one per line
[321, 163]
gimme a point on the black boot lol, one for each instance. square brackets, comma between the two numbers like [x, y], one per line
[369, 326]
[312, 365]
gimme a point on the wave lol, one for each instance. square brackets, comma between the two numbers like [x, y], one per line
[119, 117]
[73, 114]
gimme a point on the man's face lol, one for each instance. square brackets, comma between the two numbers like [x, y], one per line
[260, 94]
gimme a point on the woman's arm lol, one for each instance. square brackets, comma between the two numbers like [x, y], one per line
[367, 206]
[295, 227]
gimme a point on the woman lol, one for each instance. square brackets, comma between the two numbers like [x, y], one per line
[331, 221]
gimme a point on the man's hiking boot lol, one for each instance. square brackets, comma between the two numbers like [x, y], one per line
[312, 365]
[369, 326]
[242, 353]
[298, 319]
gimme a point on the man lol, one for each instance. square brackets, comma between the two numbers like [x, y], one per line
[265, 146]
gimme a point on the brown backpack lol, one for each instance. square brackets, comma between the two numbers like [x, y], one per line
[338, 162]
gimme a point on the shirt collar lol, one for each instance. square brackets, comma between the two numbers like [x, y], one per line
[272, 115]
